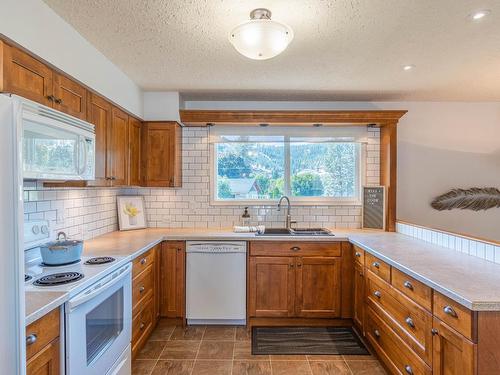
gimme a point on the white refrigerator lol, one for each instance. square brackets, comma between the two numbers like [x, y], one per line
[12, 342]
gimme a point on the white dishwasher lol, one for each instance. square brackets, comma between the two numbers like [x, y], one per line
[216, 282]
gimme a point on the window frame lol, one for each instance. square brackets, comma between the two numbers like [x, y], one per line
[301, 201]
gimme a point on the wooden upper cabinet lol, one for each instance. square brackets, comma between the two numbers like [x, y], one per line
[134, 151]
[172, 279]
[162, 154]
[318, 287]
[99, 113]
[70, 97]
[453, 354]
[25, 76]
[118, 148]
[272, 286]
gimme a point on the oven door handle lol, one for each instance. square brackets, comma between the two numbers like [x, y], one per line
[103, 285]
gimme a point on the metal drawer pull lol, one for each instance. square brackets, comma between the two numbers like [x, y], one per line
[376, 264]
[408, 370]
[299, 265]
[434, 331]
[143, 261]
[377, 294]
[410, 322]
[358, 254]
[295, 248]
[141, 289]
[291, 265]
[408, 285]
[58, 101]
[31, 339]
[142, 326]
[376, 333]
[449, 310]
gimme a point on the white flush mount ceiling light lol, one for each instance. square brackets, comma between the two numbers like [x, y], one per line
[479, 15]
[408, 67]
[261, 38]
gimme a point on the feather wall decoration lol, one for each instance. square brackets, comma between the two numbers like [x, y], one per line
[475, 199]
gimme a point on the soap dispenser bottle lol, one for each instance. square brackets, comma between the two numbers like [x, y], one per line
[245, 218]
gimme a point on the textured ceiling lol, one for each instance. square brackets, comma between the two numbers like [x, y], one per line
[343, 49]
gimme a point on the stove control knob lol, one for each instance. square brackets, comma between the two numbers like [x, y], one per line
[44, 229]
[35, 229]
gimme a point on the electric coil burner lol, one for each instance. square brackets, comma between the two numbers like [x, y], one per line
[60, 265]
[99, 260]
[27, 278]
[56, 279]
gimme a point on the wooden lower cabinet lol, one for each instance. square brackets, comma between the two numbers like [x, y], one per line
[47, 361]
[317, 287]
[359, 297]
[453, 354]
[145, 293]
[172, 279]
[271, 287]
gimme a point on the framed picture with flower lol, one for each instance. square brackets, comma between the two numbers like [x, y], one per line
[131, 213]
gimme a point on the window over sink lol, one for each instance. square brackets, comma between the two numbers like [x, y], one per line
[310, 165]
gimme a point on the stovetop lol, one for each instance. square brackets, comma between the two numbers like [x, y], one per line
[71, 278]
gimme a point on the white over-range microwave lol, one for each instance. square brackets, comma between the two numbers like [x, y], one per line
[55, 146]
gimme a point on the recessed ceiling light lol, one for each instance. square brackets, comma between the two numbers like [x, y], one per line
[408, 67]
[479, 15]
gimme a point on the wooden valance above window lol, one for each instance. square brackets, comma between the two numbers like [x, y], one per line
[386, 120]
[191, 117]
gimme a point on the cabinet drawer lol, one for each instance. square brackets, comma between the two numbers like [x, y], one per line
[142, 262]
[42, 332]
[142, 326]
[412, 288]
[455, 315]
[295, 248]
[359, 255]
[142, 288]
[410, 321]
[392, 349]
[46, 361]
[378, 267]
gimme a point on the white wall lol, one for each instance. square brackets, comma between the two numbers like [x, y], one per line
[35, 26]
[161, 105]
[441, 145]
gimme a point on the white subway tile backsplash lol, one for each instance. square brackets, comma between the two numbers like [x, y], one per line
[481, 249]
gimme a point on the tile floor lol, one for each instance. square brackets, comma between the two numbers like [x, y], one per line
[212, 350]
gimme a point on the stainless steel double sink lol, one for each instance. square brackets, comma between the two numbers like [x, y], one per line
[296, 232]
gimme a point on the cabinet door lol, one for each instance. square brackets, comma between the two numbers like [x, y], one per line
[453, 354]
[99, 114]
[25, 76]
[359, 295]
[162, 154]
[70, 97]
[118, 148]
[134, 152]
[271, 286]
[318, 287]
[46, 361]
[172, 280]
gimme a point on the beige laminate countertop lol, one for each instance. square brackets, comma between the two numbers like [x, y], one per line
[470, 281]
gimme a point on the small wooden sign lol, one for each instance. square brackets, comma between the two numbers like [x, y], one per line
[373, 207]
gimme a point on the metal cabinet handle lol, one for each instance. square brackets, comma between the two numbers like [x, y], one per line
[51, 97]
[295, 248]
[31, 339]
[377, 294]
[58, 101]
[291, 265]
[358, 254]
[143, 261]
[408, 370]
[376, 264]
[450, 311]
[142, 289]
[299, 265]
[410, 322]
[408, 285]
[434, 331]
[142, 326]
[376, 333]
